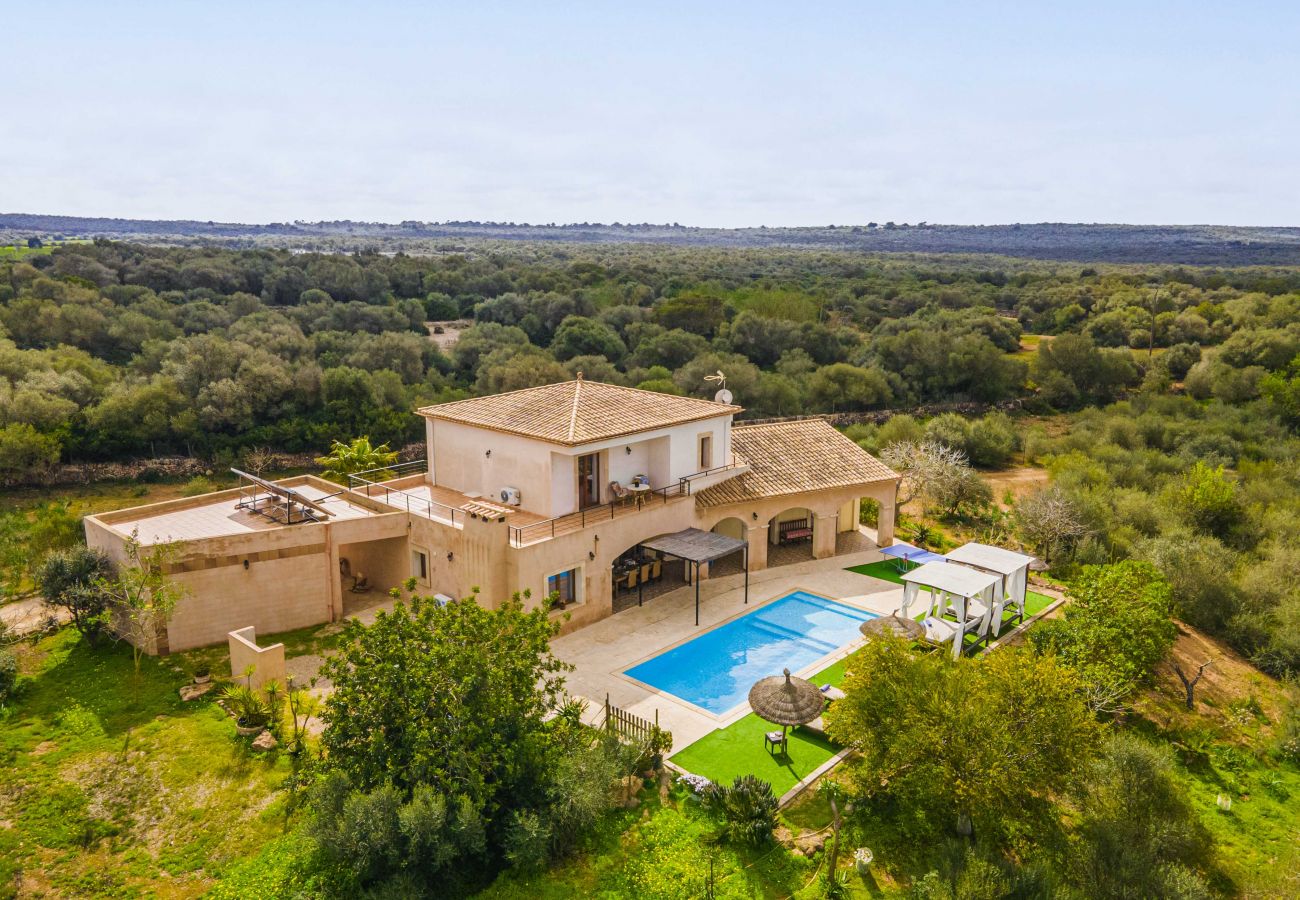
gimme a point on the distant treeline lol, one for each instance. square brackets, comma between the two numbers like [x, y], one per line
[1177, 244]
[114, 350]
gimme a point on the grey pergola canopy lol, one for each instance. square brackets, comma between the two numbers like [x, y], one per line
[696, 545]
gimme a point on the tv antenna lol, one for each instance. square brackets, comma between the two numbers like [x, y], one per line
[723, 395]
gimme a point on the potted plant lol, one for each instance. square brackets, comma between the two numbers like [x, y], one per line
[202, 674]
[250, 710]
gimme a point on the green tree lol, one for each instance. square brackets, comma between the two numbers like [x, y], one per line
[1117, 626]
[991, 740]
[25, 453]
[580, 336]
[691, 311]
[72, 580]
[1207, 499]
[841, 386]
[141, 596]
[1282, 391]
[1138, 834]
[457, 702]
[358, 456]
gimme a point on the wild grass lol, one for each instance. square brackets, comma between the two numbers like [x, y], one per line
[111, 786]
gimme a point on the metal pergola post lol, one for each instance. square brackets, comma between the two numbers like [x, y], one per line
[697, 593]
[640, 582]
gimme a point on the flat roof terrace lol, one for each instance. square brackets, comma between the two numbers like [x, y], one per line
[219, 514]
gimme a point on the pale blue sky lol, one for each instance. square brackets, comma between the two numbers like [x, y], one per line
[702, 113]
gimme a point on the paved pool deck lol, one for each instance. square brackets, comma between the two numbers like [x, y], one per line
[601, 651]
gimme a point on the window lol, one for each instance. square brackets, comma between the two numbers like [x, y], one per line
[420, 565]
[706, 451]
[564, 585]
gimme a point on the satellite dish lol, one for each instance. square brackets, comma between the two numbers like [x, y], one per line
[723, 396]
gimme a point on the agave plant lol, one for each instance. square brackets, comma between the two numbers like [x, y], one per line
[249, 707]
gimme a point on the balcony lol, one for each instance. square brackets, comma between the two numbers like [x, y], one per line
[523, 534]
[403, 486]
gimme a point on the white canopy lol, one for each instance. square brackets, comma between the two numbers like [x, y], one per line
[974, 595]
[994, 559]
[1011, 566]
[957, 580]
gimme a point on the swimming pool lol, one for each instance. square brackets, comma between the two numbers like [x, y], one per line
[716, 670]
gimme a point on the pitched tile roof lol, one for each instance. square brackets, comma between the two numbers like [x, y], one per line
[577, 412]
[793, 458]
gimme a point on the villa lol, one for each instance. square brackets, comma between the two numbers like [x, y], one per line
[599, 496]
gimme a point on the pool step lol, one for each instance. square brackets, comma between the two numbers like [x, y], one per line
[781, 631]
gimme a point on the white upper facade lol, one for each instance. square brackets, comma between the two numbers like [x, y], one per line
[561, 446]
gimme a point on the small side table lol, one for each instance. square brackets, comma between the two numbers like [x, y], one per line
[639, 493]
[774, 739]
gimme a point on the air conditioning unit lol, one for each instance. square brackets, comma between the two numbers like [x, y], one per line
[510, 496]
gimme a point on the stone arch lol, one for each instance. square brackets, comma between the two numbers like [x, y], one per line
[790, 536]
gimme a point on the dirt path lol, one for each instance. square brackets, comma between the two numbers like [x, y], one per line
[22, 617]
[1020, 481]
[445, 339]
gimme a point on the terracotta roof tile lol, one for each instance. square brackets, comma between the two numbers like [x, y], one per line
[793, 458]
[577, 412]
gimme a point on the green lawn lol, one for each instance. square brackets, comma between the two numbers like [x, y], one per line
[664, 850]
[738, 749]
[111, 786]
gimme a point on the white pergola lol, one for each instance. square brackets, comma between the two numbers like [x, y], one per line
[972, 594]
[1011, 567]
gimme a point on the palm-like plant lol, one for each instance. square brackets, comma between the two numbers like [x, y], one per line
[358, 456]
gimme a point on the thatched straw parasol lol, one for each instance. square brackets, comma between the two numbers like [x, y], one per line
[785, 701]
[893, 624]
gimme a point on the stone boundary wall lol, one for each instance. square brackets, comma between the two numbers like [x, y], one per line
[880, 416]
[174, 467]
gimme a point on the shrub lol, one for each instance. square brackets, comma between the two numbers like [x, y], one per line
[1115, 630]
[8, 674]
[527, 841]
[1138, 833]
[249, 707]
[70, 579]
[992, 441]
[747, 808]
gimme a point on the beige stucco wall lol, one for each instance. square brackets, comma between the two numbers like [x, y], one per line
[267, 663]
[386, 562]
[274, 580]
[292, 579]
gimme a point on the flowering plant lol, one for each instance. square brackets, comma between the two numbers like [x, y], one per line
[698, 783]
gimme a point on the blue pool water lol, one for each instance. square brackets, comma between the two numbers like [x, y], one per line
[716, 670]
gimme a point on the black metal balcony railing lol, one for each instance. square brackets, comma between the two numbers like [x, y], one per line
[365, 483]
[545, 530]
[541, 531]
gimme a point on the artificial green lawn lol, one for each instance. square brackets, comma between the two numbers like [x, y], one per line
[738, 749]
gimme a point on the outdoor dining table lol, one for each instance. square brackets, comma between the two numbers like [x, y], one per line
[639, 492]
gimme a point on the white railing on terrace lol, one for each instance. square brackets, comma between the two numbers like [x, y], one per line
[374, 483]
